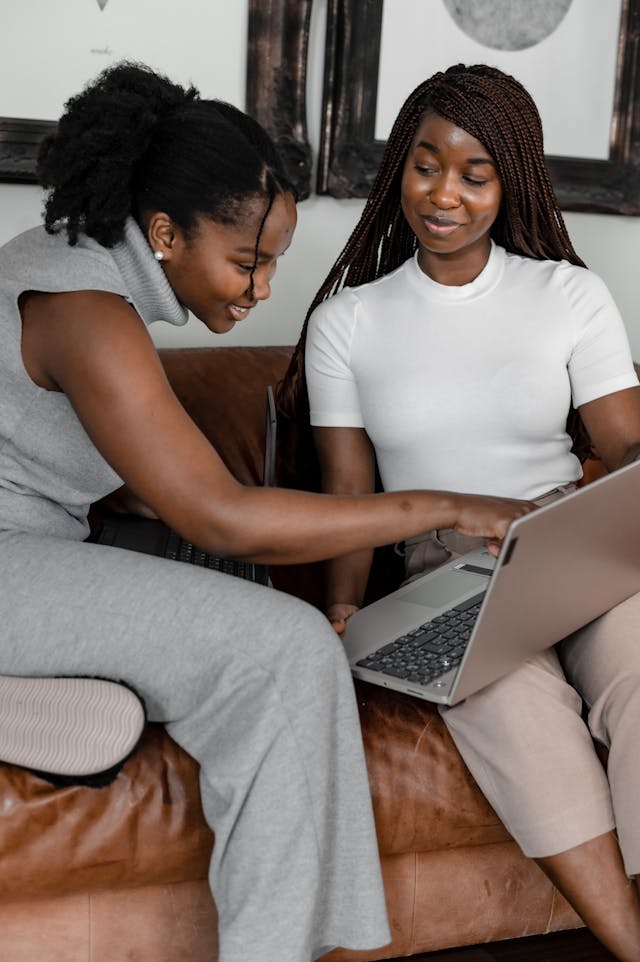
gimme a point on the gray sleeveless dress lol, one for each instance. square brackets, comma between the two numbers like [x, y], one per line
[251, 682]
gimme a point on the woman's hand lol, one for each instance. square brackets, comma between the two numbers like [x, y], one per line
[481, 516]
[339, 614]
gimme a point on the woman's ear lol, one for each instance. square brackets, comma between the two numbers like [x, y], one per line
[162, 235]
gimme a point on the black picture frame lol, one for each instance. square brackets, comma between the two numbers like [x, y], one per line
[350, 155]
[276, 81]
[20, 140]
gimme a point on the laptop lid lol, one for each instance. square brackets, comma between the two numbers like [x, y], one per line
[559, 568]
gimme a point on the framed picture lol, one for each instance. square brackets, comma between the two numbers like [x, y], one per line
[276, 80]
[578, 58]
[35, 80]
[19, 142]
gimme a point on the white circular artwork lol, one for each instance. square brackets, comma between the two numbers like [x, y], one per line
[507, 24]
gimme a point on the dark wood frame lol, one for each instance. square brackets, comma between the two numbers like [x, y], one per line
[276, 80]
[19, 142]
[350, 154]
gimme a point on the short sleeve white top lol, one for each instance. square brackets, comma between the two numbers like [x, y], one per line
[468, 388]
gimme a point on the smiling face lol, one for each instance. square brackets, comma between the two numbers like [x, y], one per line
[451, 195]
[211, 270]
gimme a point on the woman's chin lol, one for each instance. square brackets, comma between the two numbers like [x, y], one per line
[219, 325]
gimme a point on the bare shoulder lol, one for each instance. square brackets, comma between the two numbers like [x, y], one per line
[67, 335]
[95, 348]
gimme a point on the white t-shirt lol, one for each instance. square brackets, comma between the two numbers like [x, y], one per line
[468, 388]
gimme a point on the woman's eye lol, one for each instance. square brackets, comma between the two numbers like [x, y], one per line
[425, 170]
[474, 182]
[247, 268]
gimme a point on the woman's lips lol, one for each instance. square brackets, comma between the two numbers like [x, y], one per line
[238, 312]
[440, 226]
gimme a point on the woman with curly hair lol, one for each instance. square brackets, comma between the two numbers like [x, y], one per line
[459, 343]
[160, 202]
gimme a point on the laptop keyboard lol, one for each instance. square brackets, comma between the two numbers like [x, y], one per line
[177, 549]
[430, 650]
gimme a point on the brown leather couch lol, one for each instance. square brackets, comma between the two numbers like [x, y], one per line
[119, 873]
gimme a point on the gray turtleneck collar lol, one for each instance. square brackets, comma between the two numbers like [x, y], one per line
[148, 289]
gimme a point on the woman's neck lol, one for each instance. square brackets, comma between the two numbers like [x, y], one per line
[455, 268]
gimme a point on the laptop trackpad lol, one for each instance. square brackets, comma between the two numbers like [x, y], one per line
[445, 588]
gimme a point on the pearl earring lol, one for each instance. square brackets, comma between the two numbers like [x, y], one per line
[159, 256]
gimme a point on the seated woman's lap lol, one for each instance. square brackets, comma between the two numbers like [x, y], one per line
[524, 741]
[603, 661]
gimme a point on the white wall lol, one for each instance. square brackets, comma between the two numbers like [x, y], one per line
[610, 245]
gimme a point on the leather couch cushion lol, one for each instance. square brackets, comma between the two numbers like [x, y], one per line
[424, 797]
[146, 827]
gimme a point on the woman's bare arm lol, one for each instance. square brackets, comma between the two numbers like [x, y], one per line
[347, 466]
[94, 347]
[613, 424]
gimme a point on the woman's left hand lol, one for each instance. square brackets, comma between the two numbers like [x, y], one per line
[339, 614]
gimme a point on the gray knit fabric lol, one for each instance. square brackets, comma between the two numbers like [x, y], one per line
[252, 683]
[50, 471]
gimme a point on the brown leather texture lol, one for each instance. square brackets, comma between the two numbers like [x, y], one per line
[119, 872]
[146, 827]
[153, 923]
[423, 795]
[224, 390]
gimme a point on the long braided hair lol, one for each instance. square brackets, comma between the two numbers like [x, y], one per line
[495, 109]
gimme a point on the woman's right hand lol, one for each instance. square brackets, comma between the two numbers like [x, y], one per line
[478, 516]
[482, 516]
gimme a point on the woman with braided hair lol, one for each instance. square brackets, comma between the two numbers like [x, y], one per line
[459, 343]
[161, 202]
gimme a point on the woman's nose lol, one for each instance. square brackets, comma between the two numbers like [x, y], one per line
[260, 286]
[444, 192]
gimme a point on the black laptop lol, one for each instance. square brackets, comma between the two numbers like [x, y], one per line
[151, 536]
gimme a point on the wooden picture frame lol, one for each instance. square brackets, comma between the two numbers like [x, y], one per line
[350, 155]
[276, 80]
[19, 143]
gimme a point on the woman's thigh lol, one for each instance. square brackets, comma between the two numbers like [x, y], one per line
[528, 748]
[602, 660]
[165, 627]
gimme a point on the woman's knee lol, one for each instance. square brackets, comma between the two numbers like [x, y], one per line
[616, 711]
[603, 661]
[294, 637]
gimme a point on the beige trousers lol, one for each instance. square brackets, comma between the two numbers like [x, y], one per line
[525, 741]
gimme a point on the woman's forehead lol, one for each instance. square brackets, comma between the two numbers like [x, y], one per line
[434, 130]
[241, 235]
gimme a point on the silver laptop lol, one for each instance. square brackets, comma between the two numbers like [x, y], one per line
[455, 630]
